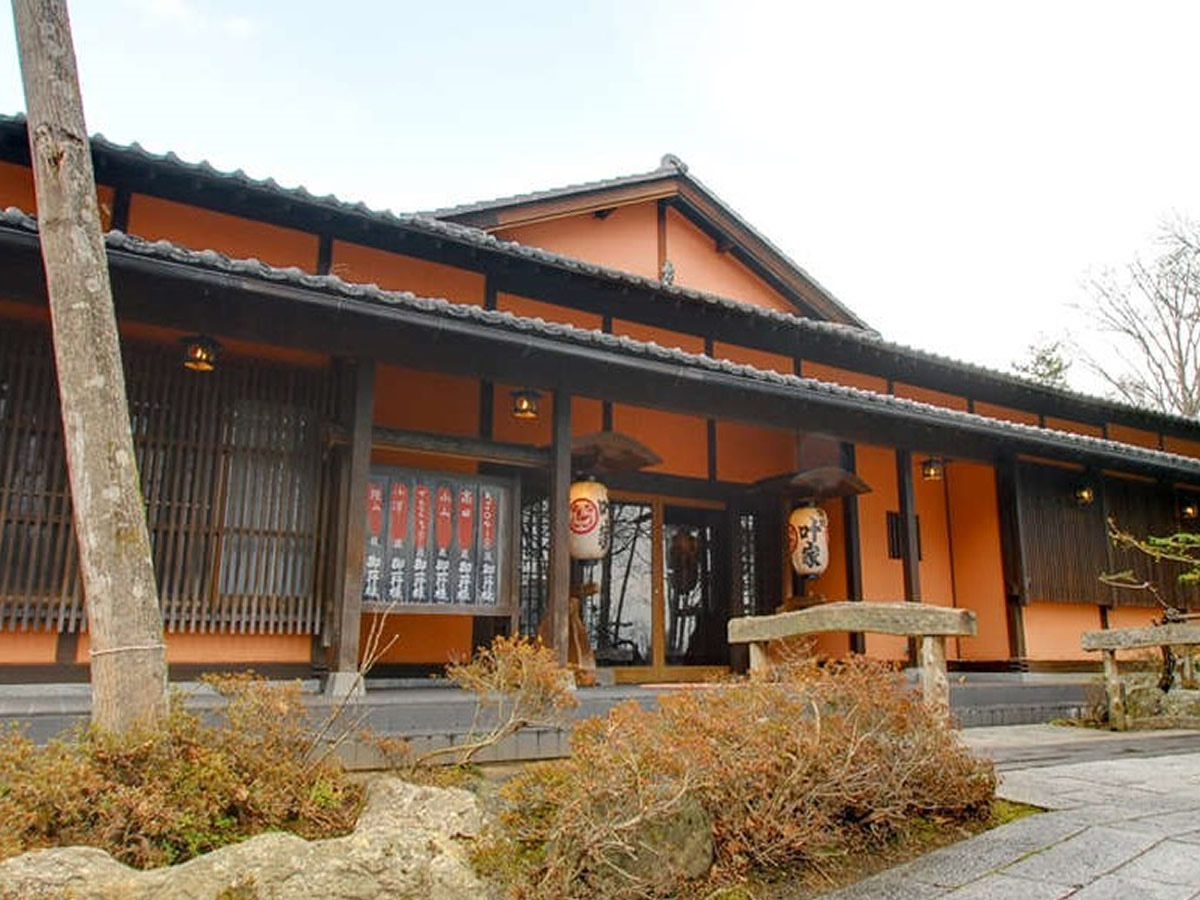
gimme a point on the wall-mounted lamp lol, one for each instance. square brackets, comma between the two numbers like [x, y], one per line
[1189, 508]
[1085, 494]
[933, 469]
[200, 353]
[525, 403]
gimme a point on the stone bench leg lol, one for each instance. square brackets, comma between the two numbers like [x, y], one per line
[758, 656]
[1115, 692]
[935, 685]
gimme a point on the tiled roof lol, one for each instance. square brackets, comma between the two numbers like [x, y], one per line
[16, 220]
[481, 239]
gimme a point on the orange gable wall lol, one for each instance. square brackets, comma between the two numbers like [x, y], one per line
[202, 229]
[933, 398]
[627, 239]
[1005, 413]
[394, 272]
[698, 265]
[883, 578]
[977, 565]
[1135, 436]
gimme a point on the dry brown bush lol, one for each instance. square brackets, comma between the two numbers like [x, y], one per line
[810, 763]
[161, 796]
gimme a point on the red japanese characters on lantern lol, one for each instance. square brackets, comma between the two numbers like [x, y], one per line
[588, 520]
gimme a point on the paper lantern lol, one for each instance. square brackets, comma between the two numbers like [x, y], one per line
[588, 522]
[808, 540]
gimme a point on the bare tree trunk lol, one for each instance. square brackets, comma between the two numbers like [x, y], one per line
[129, 669]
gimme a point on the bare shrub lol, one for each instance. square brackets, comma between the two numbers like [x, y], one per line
[808, 763]
[162, 795]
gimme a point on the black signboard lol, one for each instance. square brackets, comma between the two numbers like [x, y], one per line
[435, 539]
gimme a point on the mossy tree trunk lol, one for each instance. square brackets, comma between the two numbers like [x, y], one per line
[128, 659]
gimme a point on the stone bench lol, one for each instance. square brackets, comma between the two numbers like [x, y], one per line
[1109, 641]
[932, 624]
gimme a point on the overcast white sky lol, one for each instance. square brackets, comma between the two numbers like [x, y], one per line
[951, 171]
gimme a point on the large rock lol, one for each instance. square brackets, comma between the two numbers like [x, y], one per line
[408, 844]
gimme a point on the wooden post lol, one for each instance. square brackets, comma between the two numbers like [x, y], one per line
[128, 657]
[935, 686]
[853, 545]
[560, 553]
[360, 398]
[909, 547]
[1115, 691]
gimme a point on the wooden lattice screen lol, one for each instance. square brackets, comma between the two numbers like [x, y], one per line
[239, 496]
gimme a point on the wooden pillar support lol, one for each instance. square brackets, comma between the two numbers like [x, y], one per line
[560, 554]
[360, 403]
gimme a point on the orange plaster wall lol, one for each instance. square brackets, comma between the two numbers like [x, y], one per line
[426, 401]
[937, 580]
[28, 648]
[1052, 630]
[883, 578]
[844, 376]
[698, 265]
[429, 639]
[394, 272]
[222, 649]
[1182, 446]
[16, 189]
[586, 418]
[230, 347]
[832, 582]
[978, 568]
[551, 312]
[1135, 436]
[760, 359]
[933, 398]
[747, 453]
[430, 461]
[689, 343]
[1074, 427]
[1005, 413]
[203, 229]
[681, 441]
[627, 239]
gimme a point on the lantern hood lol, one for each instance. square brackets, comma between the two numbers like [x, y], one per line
[814, 484]
[610, 451]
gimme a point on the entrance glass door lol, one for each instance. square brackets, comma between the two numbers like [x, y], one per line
[660, 598]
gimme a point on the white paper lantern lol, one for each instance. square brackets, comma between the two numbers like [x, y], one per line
[588, 522]
[808, 540]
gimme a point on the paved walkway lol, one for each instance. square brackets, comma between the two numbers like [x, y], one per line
[1123, 822]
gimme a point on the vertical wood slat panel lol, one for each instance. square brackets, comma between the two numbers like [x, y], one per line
[236, 486]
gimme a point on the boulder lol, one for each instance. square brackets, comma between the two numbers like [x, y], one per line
[408, 843]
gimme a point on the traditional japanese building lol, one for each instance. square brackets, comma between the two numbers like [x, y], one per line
[349, 419]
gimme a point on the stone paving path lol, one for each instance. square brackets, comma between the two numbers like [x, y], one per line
[1123, 827]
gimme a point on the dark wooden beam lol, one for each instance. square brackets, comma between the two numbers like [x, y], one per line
[453, 445]
[662, 236]
[560, 558]
[908, 526]
[853, 546]
[120, 210]
[325, 255]
[1011, 556]
[360, 394]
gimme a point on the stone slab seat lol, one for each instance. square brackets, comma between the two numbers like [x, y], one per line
[1110, 640]
[933, 624]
